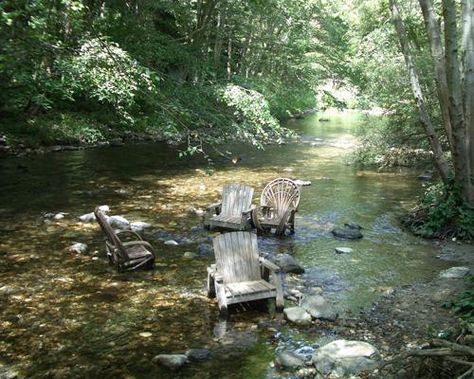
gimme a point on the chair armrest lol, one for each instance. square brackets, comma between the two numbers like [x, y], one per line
[129, 232]
[218, 278]
[270, 265]
[141, 242]
[246, 211]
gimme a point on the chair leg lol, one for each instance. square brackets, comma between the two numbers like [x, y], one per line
[211, 286]
[221, 298]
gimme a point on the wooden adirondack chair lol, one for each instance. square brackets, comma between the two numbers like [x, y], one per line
[126, 256]
[235, 210]
[278, 204]
[239, 275]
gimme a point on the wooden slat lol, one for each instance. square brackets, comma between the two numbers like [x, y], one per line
[235, 199]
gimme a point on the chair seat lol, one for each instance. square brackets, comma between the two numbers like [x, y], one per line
[227, 219]
[247, 288]
[137, 251]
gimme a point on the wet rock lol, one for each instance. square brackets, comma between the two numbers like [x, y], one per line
[455, 272]
[289, 360]
[171, 243]
[287, 263]
[205, 249]
[347, 233]
[78, 248]
[139, 226]
[318, 307]
[88, 217]
[172, 361]
[343, 250]
[9, 372]
[198, 354]
[302, 183]
[344, 358]
[119, 222]
[297, 315]
[145, 334]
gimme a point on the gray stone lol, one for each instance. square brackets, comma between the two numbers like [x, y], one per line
[297, 315]
[344, 358]
[343, 250]
[88, 217]
[289, 360]
[172, 361]
[347, 233]
[78, 248]
[318, 307]
[60, 215]
[139, 226]
[287, 263]
[171, 243]
[455, 272]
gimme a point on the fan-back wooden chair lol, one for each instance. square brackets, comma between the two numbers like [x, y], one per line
[239, 275]
[234, 211]
[278, 204]
[126, 256]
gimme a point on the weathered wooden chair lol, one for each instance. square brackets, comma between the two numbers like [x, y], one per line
[126, 256]
[278, 204]
[235, 210]
[239, 275]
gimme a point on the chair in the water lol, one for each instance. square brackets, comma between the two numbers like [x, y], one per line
[234, 211]
[278, 204]
[239, 275]
[126, 256]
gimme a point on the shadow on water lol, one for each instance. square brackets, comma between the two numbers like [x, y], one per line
[66, 315]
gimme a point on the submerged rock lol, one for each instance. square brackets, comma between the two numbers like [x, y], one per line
[347, 233]
[344, 358]
[297, 315]
[171, 243]
[287, 263]
[318, 307]
[190, 255]
[198, 354]
[302, 183]
[172, 361]
[205, 249]
[455, 272]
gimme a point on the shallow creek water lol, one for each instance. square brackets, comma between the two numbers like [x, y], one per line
[64, 315]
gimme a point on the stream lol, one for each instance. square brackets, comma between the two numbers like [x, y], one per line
[64, 315]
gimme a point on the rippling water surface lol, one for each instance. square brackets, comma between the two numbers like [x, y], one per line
[63, 315]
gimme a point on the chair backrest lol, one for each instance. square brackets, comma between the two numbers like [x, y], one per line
[109, 233]
[237, 257]
[281, 194]
[235, 199]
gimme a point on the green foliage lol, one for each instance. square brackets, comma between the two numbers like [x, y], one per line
[464, 304]
[443, 213]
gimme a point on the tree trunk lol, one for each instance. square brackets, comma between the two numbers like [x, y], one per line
[437, 53]
[456, 111]
[467, 46]
[440, 162]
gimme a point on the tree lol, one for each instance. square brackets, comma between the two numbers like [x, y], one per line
[453, 73]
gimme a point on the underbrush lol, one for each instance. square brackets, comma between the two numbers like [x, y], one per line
[443, 214]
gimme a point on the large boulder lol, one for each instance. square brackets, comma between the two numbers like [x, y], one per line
[347, 233]
[288, 264]
[289, 360]
[344, 358]
[318, 307]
